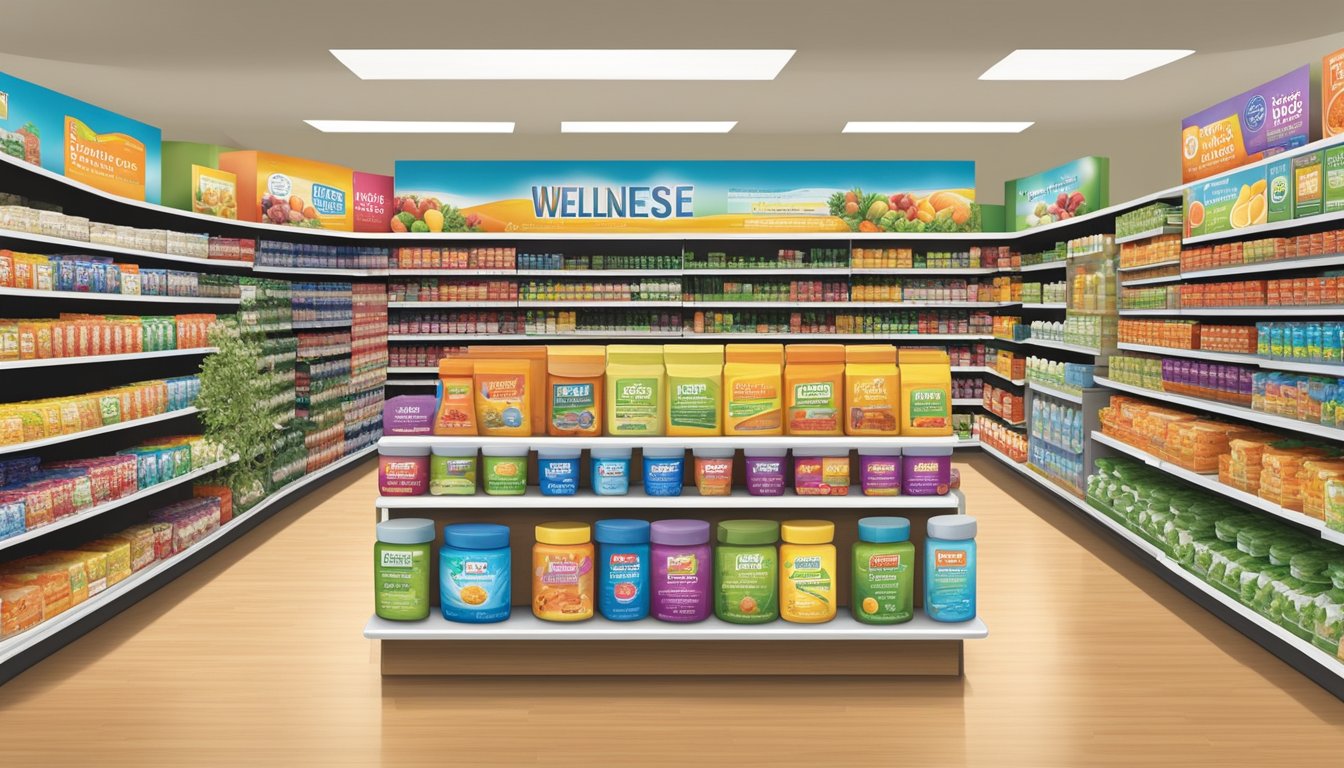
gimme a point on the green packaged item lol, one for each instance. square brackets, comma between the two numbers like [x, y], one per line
[746, 571]
[401, 564]
[882, 584]
[505, 471]
[452, 471]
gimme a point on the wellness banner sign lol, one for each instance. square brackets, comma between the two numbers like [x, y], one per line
[684, 196]
[1261, 122]
[86, 143]
[1060, 193]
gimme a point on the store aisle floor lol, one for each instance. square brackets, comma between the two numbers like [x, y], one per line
[256, 658]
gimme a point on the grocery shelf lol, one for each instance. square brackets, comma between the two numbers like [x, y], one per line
[411, 382]
[1275, 265]
[1333, 536]
[522, 625]
[1014, 424]
[430, 369]
[719, 441]
[129, 297]
[466, 305]
[1236, 411]
[597, 274]
[1258, 229]
[800, 272]
[993, 372]
[1155, 265]
[1151, 280]
[1045, 389]
[967, 442]
[1046, 305]
[926, 271]
[690, 499]
[90, 359]
[399, 272]
[85, 245]
[1147, 312]
[1209, 482]
[466, 337]
[144, 581]
[1144, 235]
[1047, 344]
[108, 506]
[308, 325]
[1059, 264]
[33, 445]
[329, 271]
[562, 304]
[1257, 311]
[968, 402]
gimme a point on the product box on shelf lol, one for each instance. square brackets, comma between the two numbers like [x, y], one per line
[1234, 201]
[1308, 184]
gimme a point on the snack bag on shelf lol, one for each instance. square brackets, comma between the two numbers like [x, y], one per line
[694, 389]
[455, 405]
[753, 378]
[813, 387]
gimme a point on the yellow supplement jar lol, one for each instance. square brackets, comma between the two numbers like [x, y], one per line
[562, 572]
[807, 591]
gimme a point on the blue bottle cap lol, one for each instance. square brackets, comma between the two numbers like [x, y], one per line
[476, 536]
[884, 530]
[620, 531]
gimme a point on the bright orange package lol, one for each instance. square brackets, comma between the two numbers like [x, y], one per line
[455, 410]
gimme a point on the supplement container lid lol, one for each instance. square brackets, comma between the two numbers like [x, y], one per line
[403, 450]
[621, 531]
[765, 452]
[680, 532]
[820, 451]
[715, 453]
[609, 452]
[807, 531]
[455, 451]
[664, 452]
[507, 451]
[884, 530]
[952, 527]
[748, 532]
[406, 530]
[476, 536]
[563, 533]
[927, 451]
[880, 451]
[556, 452]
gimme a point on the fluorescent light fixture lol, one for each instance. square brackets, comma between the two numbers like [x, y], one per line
[564, 64]
[409, 126]
[936, 126]
[648, 126]
[1081, 63]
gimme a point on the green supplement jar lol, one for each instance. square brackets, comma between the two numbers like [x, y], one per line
[883, 582]
[746, 572]
[401, 564]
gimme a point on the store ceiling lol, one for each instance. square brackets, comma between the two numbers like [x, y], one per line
[248, 73]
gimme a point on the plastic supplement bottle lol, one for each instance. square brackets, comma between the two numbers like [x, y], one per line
[622, 569]
[746, 572]
[401, 563]
[807, 571]
[562, 572]
[949, 568]
[474, 565]
[681, 570]
[882, 585]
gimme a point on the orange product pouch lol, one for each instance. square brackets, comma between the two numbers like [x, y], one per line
[455, 410]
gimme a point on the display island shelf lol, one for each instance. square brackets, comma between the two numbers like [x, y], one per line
[791, 442]
[690, 499]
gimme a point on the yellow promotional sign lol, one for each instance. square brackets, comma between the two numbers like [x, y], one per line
[112, 162]
[214, 193]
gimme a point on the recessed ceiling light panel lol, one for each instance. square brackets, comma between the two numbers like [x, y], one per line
[647, 126]
[409, 126]
[936, 126]
[1081, 63]
[564, 64]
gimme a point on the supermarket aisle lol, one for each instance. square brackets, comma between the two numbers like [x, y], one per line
[256, 657]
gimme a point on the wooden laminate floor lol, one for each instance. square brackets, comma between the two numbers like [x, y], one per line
[256, 658]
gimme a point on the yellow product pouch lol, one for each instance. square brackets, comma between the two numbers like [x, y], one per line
[926, 393]
[534, 355]
[753, 383]
[503, 390]
[814, 377]
[694, 389]
[872, 390]
[636, 389]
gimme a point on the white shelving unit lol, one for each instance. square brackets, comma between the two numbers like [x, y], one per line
[585, 304]
[926, 272]
[690, 499]
[47, 362]
[1276, 311]
[70, 246]
[329, 271]
[1060, 264]
[1262, 229]
[1324, 369]
[522, 625]
[1145, 235]
[967, 402]
[1151, 281]
[29, 293]
[108, 506]
[722, 441]
[464, 305]
[1146, 267]
[1052, 392]
[598, 274]
[33, 445]
[1062, 345]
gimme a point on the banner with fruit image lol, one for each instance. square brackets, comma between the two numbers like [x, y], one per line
[685, 196]
[1059, 194]
[292, 191]
[1233, 201]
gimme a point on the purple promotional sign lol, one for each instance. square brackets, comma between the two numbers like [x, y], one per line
[1261, 122]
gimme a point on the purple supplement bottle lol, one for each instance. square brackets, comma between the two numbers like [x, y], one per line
[683, 571]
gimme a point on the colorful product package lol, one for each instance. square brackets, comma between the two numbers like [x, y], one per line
[872, 390]
[766, 474]
[412, 414]
[452, 470]
[574, 389]
[880, 471]
[636, 390]
[926, 471]
[753, 380]
[814, 377]
[816, 475]
[20, 607]
[503, 397]
[694, 389]
[505, 470]
[118, 552]
[714, 471]
[926, 393]
[455, 400]
[535, 357]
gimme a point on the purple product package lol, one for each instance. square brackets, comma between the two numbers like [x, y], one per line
[880, 475]
[682, 570]
[1264, 121]
[926, 471]
[409, 415]
[766, 475]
